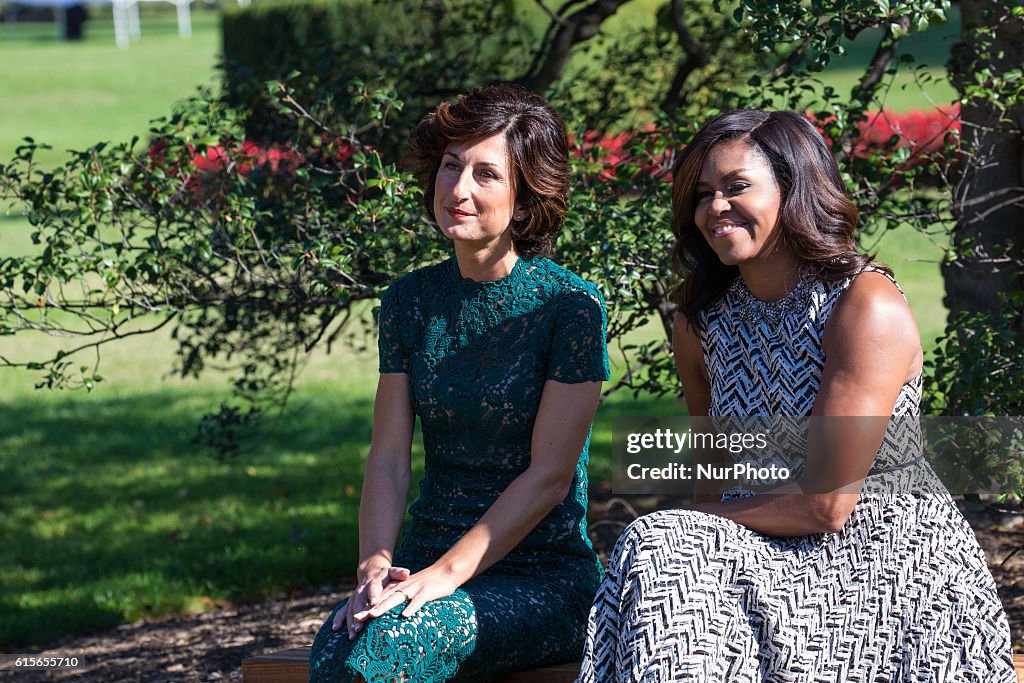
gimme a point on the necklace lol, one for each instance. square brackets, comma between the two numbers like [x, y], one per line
[752, 310]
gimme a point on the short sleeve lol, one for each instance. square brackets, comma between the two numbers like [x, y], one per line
[578, 351]
[390, 344]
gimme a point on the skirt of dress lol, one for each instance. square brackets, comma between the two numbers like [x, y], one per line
[903, 593]
[491, 625]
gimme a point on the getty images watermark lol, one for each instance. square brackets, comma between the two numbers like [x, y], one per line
[917, 455]
[665, 440]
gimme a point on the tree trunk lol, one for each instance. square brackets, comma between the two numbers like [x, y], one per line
[989, 197]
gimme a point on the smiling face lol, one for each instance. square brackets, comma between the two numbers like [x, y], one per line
[474, 193]
[737, 203]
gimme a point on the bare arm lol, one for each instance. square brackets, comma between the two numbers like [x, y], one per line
[388, 470]
[563, 420]
[872, 347]
[693, 374]
[386, 481]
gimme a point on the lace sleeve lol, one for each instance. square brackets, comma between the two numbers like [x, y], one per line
[390, 345]
[578, 350]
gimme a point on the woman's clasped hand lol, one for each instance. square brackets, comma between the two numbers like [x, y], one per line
[367, 594]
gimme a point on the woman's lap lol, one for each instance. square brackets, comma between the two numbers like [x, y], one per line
[489, 625]
[694, 597]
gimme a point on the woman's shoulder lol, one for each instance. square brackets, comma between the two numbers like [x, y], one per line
[871, 293]
[873, 305]
[863, 291]
[441, 270]
[425, 276]
[560, 279]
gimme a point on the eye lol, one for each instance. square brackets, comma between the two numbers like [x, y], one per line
[736, 188]
[450, 166]
[702, 195]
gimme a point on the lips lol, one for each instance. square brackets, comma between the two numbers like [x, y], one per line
[724, 229]
[456, 213]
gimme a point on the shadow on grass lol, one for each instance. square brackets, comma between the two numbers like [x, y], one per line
[109, 513]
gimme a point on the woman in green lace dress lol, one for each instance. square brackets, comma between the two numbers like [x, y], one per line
[500, 353]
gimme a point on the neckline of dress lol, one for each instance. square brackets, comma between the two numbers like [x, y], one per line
[753, 310]
[471, 285]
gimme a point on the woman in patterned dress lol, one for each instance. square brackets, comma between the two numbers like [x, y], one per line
[500, 353]
[820, 581]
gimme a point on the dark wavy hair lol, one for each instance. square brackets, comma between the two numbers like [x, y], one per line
[816, 216]
[538, 152]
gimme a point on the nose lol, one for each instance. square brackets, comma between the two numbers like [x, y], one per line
[461, 188]
[719, 203]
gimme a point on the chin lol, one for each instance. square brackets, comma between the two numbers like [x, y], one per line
[730, 258]
[452, 232]
[736, 254]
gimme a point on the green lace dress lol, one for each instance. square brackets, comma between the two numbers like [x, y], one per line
[478, 355]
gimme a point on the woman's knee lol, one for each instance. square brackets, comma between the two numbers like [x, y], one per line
[437, 638]
[666, 537]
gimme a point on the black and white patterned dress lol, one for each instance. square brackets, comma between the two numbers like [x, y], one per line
[902, 593]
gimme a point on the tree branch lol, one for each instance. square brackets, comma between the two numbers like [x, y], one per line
[555, 18]
[786, 67]
[851, 31]
[864, 91]
[561, 36]
[991, 195]
[696, 57]
[982, 215]
[646, 359]
[879, 63]
[115, 335]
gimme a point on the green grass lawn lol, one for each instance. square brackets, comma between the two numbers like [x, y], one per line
[110, 513]
[107, 511]
[71, 95]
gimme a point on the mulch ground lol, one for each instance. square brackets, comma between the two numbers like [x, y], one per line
[210, 646]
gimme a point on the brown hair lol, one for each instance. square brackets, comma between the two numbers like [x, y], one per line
[816, 217]
[537, 146]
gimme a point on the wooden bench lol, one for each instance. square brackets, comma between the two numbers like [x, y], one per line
[292, 666]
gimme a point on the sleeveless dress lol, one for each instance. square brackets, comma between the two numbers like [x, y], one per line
[478, 355]
[902, 593]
